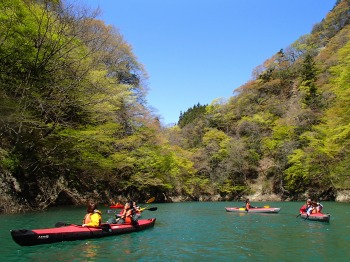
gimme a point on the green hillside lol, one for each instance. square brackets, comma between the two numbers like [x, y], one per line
[75, 124]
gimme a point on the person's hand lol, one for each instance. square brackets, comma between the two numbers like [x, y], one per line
[83, 225]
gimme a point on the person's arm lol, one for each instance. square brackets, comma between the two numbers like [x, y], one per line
[123, 214]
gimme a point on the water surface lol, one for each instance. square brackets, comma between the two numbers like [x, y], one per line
[193, 231]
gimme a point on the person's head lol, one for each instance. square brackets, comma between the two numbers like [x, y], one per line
[91, 207]
[247, 201]
[128, 205]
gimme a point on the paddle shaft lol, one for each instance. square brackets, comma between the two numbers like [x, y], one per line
[109, 211]
[151, 200]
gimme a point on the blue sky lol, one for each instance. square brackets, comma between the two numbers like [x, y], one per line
[196, 51]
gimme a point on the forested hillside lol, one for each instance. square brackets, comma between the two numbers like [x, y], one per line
[75, 123]
[74, 119]
[287, 130]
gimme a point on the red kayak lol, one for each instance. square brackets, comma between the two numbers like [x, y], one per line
[120, 206]
[25, 237]
[316, 217]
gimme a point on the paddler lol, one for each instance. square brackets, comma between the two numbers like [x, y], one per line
[127, 215]
[247, 205]
[93, 217]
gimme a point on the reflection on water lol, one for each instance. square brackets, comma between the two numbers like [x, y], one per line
[89, 251]
[194, 232]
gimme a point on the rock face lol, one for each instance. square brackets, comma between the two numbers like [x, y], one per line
[13, 197]
[258, 196]
[261, 190]
[343, 196]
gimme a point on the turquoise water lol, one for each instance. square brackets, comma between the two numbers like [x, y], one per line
[194, 231]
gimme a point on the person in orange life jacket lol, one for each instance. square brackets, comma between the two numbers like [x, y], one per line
[93, 217]
[247, 205]
[127, 215]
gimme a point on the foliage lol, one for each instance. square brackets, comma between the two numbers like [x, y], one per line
[191, 114]
[74, 117]
[292, 113]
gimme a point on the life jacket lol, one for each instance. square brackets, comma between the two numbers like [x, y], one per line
[303, 208]
[128, 215]
[247, 206]
[87, 219]
[128, 220]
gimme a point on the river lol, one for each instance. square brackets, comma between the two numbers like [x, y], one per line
[193, 231]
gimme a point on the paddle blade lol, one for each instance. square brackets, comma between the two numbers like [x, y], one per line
[150, 200]
[152, 208]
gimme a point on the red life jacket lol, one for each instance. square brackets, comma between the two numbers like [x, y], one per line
[303, 209]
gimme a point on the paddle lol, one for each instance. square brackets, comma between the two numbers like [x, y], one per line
[150, 209]
[150, 200]
[109, 211]
[307, 216]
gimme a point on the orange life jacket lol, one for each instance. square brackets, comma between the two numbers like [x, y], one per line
[87, 218]
[127, 216]
[128, 220]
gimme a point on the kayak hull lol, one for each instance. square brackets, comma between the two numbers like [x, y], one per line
[316, 217]
[253, 210]
[118, 206]
[25, 237]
